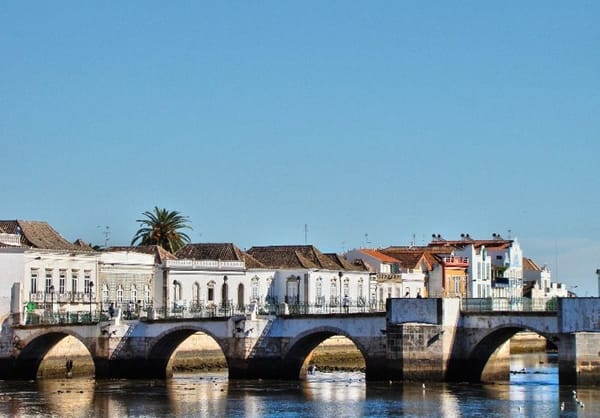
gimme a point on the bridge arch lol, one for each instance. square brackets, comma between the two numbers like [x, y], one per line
[299, 349]
[486, 361]
[33, 350]
[161, 352]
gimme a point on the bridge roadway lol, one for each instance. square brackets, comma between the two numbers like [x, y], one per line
[416, 339]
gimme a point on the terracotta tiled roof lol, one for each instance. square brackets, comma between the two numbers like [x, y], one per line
[293, 256]
[211, 251]
[411, 257]
[379, 255]
[344, 263]
[252, 263]
[159, 253]
[529, 264]
[37, 234]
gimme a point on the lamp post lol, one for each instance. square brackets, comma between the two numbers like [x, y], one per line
[340, 274]
[91, 289]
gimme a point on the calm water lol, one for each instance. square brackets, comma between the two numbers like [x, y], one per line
[534, 393]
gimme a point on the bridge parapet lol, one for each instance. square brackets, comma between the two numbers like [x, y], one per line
[579, 314]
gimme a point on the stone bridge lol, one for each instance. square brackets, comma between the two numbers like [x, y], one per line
[416, 339]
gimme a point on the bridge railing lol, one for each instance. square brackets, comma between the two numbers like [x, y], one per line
[66, 318]
[320, 309]
[508, 304]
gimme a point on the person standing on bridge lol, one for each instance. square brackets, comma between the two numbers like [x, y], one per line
[111, 310]
[346, 304]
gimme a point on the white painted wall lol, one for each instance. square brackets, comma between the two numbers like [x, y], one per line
[11, 271]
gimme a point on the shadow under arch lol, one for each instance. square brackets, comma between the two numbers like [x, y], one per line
[294, 359]
[480, 362]
[161, 352]
[31, 355]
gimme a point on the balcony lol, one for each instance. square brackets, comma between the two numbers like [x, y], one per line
[452, 261]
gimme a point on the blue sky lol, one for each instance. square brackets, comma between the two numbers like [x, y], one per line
[390, 119]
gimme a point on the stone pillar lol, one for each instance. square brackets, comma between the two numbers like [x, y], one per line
[415, 352]
[579, 359]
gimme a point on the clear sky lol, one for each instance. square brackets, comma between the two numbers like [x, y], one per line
[370, 122]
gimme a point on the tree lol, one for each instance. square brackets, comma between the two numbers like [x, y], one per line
[164, 228]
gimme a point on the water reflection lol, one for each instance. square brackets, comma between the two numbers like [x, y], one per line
[535, 393]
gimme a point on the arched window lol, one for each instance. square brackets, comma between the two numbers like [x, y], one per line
[176, 291]
[360, 292]
[320, 300]
[333, 292]
[346, 289]
[210, 294]
[120, 295]
[133, 294]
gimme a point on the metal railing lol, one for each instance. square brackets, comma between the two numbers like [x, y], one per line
[64, 318]
[508, 305]
[47, 317]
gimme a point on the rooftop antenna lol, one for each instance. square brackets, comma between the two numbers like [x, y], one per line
[509, 232]
[367, 239]
[106, 234]
[343, 246]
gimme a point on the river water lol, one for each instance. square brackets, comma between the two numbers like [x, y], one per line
[533, 393]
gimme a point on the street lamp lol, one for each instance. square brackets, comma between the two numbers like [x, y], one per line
[340, 274]
[91, 288]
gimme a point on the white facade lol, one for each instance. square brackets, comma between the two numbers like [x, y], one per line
[480, 271]
[127, 279]
[510, 260]
[50, 282]
[543, 286]
[199, 284]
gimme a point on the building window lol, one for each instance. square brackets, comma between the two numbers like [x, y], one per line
[360, 291]
[211, 291]
[74, 280]
[270, 291]
[87, 280]
[48, 281]
[255, 289]
[120, 295]
[147, 295]
[346, 287]
[133, 293]
[319, 290]
[34, 281]
[62, 278]
[333, 292]
[105, 293]
[456, 285]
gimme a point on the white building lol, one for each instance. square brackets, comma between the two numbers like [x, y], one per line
[302, 275]
[538, 282]
[214, 276]
[43, 274]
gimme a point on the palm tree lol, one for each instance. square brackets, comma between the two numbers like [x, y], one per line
[162, 227]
